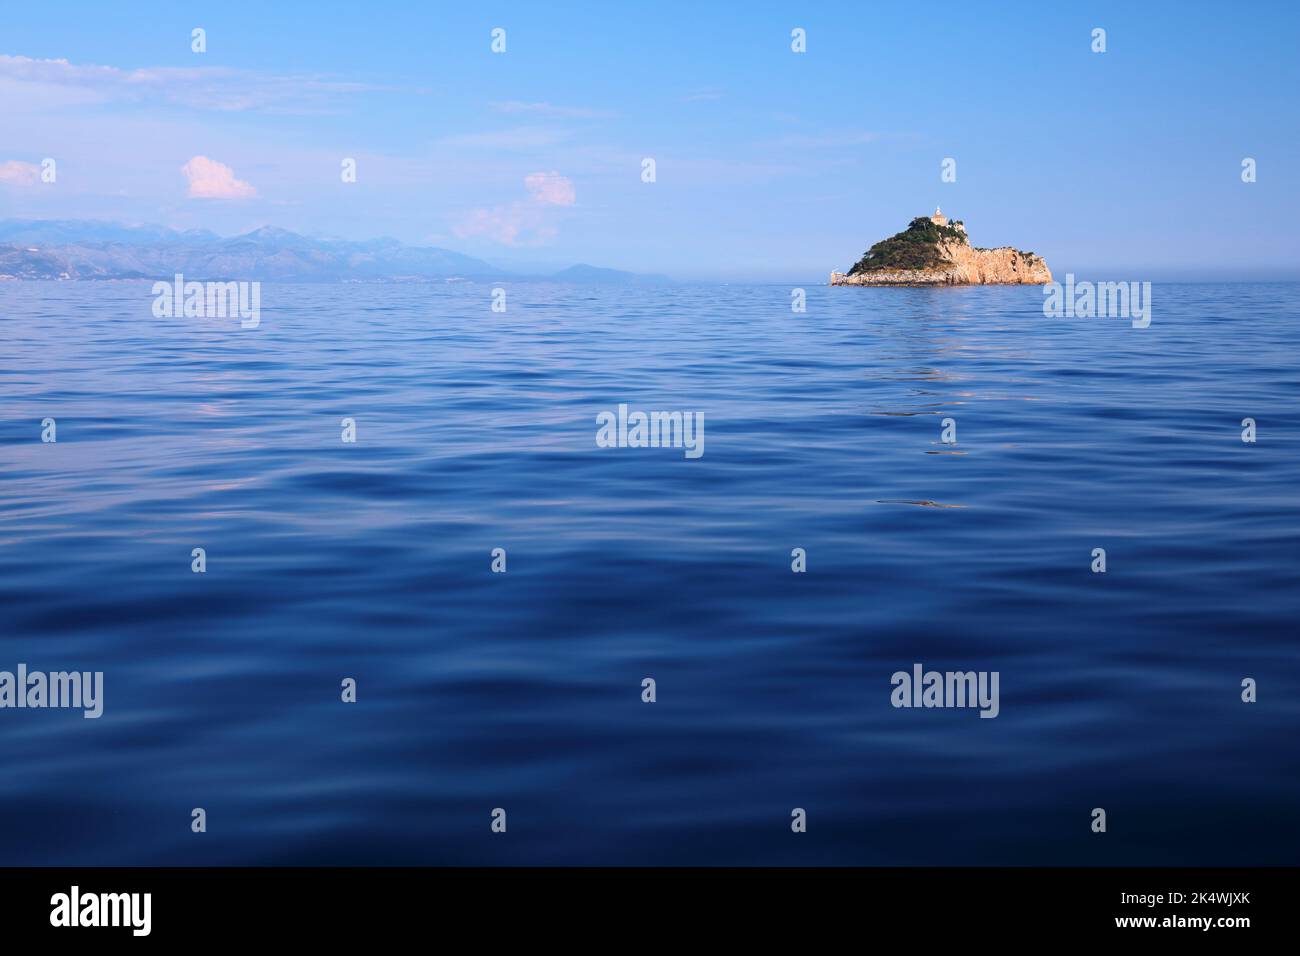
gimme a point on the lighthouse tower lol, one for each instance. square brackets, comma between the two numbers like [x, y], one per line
[940, 220]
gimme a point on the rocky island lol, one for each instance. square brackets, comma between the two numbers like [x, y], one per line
[934, 251]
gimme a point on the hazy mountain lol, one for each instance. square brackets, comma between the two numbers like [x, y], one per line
[82, 249]
[65, 231]
[595, 275]
[98, 250]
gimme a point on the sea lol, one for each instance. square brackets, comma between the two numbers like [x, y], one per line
[827, 539]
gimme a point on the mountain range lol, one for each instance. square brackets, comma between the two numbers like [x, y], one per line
[86, 249]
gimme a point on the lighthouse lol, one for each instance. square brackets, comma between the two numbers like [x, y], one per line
[940, 220]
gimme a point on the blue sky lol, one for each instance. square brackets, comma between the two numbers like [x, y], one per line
[770, 164]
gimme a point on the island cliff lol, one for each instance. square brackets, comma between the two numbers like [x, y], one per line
[932, 251]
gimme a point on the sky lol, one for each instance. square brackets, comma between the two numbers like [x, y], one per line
[770, 164]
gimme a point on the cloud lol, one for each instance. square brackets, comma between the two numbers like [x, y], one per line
[551, 189]
[33, 84]
[210, 179]
[523, 222]
[836, 138]
[829, 139]
[515, 224]
[14, 173]
[549, 109]
[520, 138]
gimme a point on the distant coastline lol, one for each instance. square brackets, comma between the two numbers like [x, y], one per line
[94, 250]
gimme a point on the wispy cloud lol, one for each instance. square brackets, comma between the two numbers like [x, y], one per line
[550, 109]
[830, 139]
[40, 84]
[518, 138]
[524, 222]
[700, 96]
[210, 179]
[551, 189]
[15, 173]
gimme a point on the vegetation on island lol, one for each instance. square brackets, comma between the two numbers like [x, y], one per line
[916, 247]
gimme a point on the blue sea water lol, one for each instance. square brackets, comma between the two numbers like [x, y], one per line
[476, 430]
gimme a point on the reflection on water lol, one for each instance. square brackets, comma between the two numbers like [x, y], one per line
[923, 504]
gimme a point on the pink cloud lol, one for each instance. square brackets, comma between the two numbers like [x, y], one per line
[501, 224]
[551, 189]
[523, 222]
[15, 173]
[210, 179]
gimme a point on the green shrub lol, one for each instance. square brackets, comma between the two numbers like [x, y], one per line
[916, 247]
